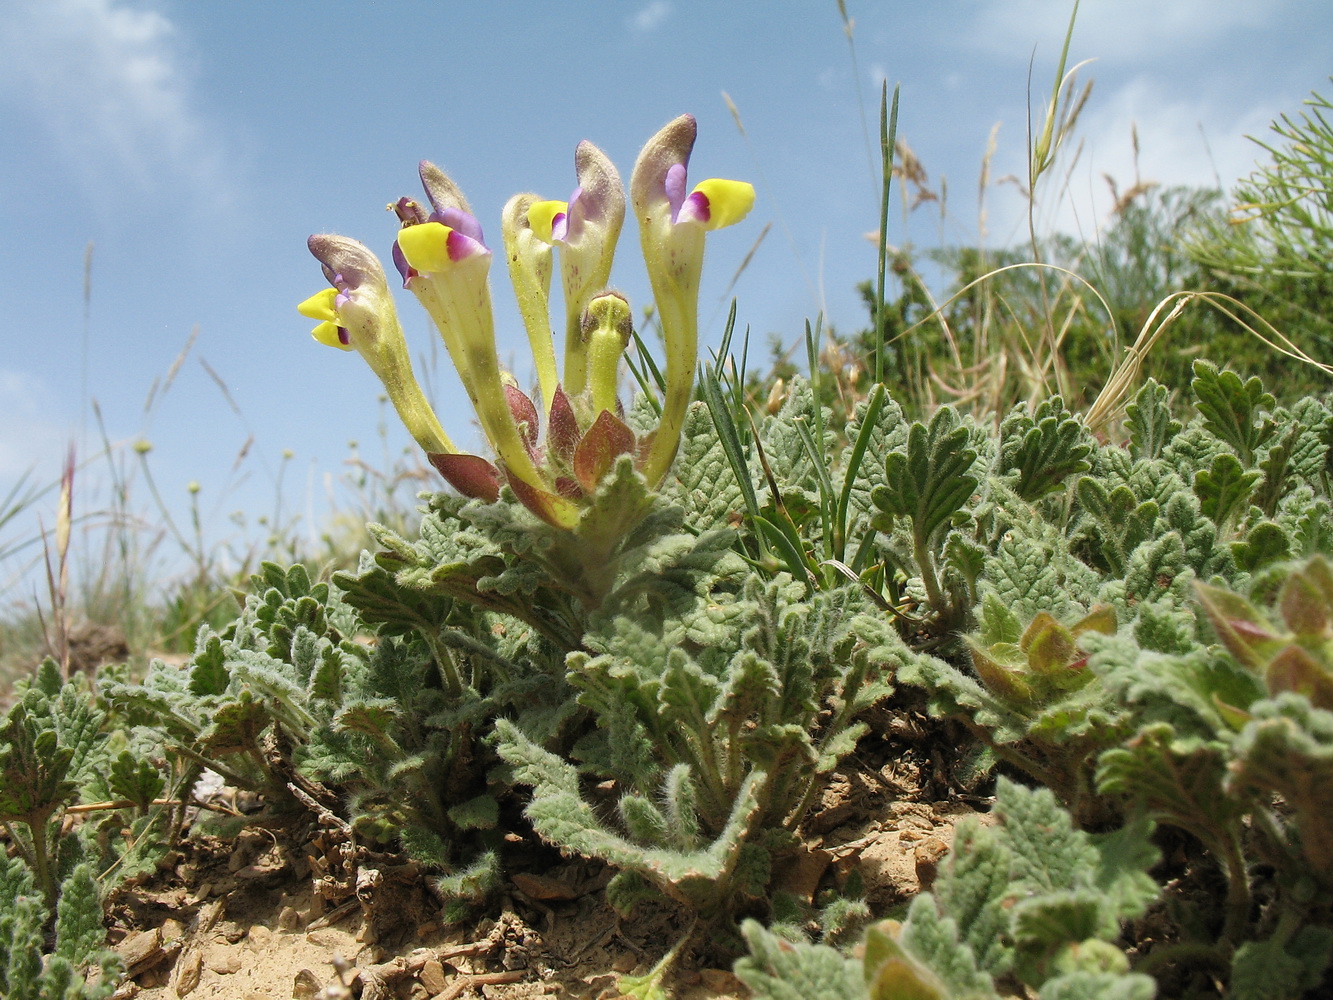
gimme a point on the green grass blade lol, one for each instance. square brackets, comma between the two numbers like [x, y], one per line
[827, 509]
[646, 359]
[725, 348]
[781, 538]
[728, 435]
[876, 403]
[640, 376]
[888, 134]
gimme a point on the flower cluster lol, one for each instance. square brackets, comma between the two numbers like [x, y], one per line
[444, 261]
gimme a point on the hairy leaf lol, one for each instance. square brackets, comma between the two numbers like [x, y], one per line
[1233, 410]
[1149, 420]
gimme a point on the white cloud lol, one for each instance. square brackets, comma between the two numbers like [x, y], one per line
[1192, 141]
[1113, 29]
[651, 17]
[29, 437]
[108, 84]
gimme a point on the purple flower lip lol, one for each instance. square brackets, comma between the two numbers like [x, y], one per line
[341, 300]
[674, 183]
[462, 246]
[571, 220]
[400, 262]
[659, 172]
[460, 222]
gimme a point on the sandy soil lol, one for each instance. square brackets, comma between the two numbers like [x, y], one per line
[300, 910]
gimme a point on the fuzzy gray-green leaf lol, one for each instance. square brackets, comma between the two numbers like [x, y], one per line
[931, 479]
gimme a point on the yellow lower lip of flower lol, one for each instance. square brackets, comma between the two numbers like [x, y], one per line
[728, 201]
[541, 218]
[327, 334]
[321, 305]
[426, 246]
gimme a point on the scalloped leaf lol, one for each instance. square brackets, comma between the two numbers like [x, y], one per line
[1235, 411]
[930, 481]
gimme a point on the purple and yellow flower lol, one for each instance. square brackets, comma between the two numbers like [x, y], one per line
[357, 314]
[672, 223]
[586, 229]
[529, 260]
[444, 261]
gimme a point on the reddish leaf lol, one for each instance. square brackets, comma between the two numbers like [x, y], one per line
[471, 475]
[562, 432]
[554, 510]
[1306, 598]
[1049, 645]
[1294, 669]
[1234, 717]
[1100, 619]
[1238, 624]
[606, 439]
[569, 488]
[525, 414]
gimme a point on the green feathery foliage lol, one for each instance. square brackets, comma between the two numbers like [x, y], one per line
[1030, 902]
[711, 728]
[667, 686]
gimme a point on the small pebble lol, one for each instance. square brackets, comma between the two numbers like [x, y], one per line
[327, 937]
[289, 919]
[141, 950]
[433, 978]
[223, 961]
[188, 973]
[306, 986]
[625, 962]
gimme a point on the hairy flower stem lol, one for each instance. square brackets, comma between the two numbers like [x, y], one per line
[681, 330]
[233, 777]
[40, 857]
[1047, 776]
[794, 818]
[926, 563]
[1281, 850]
[412, 407]
[1238, 887]
[604, 353]
[444, 662]
[839, 723]
[721, 793]
[735, 760]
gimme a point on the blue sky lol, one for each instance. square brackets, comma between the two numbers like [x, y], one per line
[195, 145]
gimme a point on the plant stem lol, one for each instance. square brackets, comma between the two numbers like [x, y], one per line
[1194, 952]
[41, 860]
[926, 563]
[444, 662]
[1238, 888]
